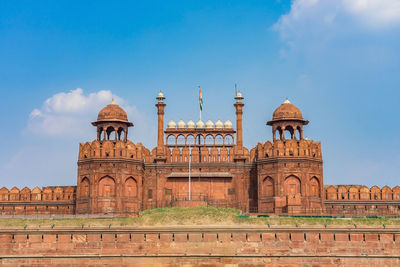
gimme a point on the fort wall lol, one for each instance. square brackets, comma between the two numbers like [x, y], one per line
[215, 246]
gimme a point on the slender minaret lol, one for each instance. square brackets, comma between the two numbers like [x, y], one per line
[160, 136]
[239, 128]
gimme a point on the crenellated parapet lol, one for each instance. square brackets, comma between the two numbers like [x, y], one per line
[361, 193]
[113, 150]
[286, 148]
[45, 194]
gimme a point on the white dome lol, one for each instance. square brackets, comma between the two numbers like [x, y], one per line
[160, 94]
[219, 124]
[209, 124]
[171, 124]
[228, 124]
[200, 124]
[181, 124]
[190, 124]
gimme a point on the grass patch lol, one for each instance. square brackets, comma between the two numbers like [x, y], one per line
[174, 216]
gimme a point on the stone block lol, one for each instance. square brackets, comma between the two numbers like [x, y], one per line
[327, 237]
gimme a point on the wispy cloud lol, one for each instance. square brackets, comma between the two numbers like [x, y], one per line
[70, 113]
[321, 21]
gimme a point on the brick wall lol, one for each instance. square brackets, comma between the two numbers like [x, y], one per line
[250, 247]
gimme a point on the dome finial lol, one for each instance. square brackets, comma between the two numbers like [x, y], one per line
[113, 102]
[287, 101]
[239, 97]
[160, 97]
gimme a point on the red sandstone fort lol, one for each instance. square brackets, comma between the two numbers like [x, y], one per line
[281, 176]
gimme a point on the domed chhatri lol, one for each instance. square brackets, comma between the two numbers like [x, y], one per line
[112, 119]
[190, 124]
[287, 117]
[219, 124]
[181, 124]
[171, 124]
[287, 111]
[112, 112]
[200, 124]
[209, 124]
[228, 124]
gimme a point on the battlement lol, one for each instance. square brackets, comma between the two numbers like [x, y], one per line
[48, 193]
[361, 193]
[113, 149]
[286, 148]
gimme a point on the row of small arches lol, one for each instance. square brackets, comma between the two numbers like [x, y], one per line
[111, 133]
[200, 140]
[209, 155]
[292, 186]
[362, 193]
[60, 193]
[288, 132]
[106, 187]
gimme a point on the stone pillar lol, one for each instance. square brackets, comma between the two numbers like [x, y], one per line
[160, 134]
[239, 127]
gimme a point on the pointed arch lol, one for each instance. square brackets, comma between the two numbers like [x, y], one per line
[353, 193]
[26, 194]
[106, 187]
[331, 193]
[36, 194]
[84, 190]
[343, 193]
[315, 187]
[292, 185]
[268, 187]
[387, 193]
[376, 193]
[130, 187]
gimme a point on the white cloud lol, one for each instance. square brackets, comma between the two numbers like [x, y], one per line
[314, 26]
[70, 113]
[374, 13]
[324, 15]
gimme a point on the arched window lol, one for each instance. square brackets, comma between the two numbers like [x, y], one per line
[209, 140]
[106, 187]
[289, 132]
[314, 187]
[200, 140]
[298, 133]
[85, 187]
[180, 140]
[268, 187]
[101, 134]
[171, 140]
[110, 133]
[228, 140]
[121, 134]
[219, 140]
[278, 133]
[130, 187]
[292, 186]
[190, 140]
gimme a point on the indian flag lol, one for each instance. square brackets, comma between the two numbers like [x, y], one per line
[200, 99]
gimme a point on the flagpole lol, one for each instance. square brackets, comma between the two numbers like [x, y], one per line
[190, 160]
[200, 101]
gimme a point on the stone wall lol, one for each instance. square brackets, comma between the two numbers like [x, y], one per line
[38, 201]
[205, 246]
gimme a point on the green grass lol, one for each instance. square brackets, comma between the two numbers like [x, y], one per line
[194, 216]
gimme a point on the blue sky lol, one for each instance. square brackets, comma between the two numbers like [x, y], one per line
[62, 61]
